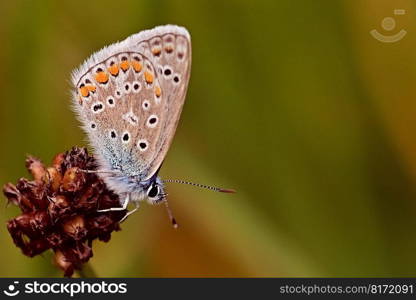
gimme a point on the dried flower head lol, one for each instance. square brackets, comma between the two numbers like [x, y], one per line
[59, 209]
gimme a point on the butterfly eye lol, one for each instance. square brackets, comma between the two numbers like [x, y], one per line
[153, 191]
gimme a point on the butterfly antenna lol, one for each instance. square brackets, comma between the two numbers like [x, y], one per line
[171, 217]
[203, 186]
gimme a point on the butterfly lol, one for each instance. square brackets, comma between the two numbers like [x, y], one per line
[129, 97]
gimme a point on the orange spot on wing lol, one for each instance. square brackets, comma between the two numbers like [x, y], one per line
[124, 65]
[136, 66]
[156, 51]
[101, 77]
[113, 70]
[158, 91]
[84, 91]
[91, 88]
[148, 77]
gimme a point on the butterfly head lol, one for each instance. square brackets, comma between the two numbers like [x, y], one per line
[155, 191]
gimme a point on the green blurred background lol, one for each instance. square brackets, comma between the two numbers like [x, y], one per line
[293, 103]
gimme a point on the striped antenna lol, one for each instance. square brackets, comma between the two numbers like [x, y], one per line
[203, 186]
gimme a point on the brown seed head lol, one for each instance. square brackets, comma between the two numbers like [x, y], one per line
[59, 209]
[53, 178]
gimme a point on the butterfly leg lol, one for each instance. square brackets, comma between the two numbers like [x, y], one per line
[98, 171]
[130, 212]
[124, 207]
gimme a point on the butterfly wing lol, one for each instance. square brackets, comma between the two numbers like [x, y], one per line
[129, 97]
[170, 52]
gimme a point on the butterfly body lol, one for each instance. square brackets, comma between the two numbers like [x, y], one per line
[129, 97]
